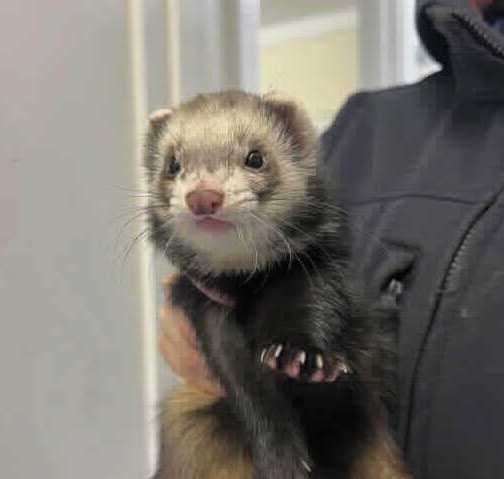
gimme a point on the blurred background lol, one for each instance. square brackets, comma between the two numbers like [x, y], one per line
[79, 288]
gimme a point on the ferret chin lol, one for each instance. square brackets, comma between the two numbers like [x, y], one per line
[239, 207]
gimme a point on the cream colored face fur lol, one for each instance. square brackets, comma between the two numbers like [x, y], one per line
[211, 139]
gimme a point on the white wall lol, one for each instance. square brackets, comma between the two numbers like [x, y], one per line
[71, 360]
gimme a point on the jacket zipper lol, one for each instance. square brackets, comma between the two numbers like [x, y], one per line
[456, 264]
[455, 267]
[476, 28]
[454, 270]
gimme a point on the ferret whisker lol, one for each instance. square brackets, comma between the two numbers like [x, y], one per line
[239, 191]
[279, 233]
[132, 190]
[134, 242]
[256, 261]
[293, 252]
[307, 206]
[168, 243]
[142, 195]
[137, 208]
[239, 233]
[241, 202]
[305, 269]
[317, 204]
[310, 259]
[131, 220]
[317, 244]
[137, 213]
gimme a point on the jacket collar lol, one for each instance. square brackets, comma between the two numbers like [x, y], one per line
[471, 50]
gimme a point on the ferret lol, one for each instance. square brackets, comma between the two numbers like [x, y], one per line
[239, 206]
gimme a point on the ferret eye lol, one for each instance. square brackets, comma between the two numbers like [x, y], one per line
[254, 160]
[172, 166]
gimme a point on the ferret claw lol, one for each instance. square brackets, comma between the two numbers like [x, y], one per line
[278, 351]
[302, 358]
[270, 354]
[301, 365]
[263, 353]
[306, 465]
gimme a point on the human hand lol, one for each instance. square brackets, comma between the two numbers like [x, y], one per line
[179, 347]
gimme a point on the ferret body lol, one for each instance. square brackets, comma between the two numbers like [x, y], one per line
[239, 207]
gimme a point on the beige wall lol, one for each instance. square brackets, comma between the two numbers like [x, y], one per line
[321, 71]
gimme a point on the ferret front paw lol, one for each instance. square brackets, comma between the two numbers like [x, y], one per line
[302, 364]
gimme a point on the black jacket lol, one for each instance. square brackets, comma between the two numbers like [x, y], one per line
[421, 169]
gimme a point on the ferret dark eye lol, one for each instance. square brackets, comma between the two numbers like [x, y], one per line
[172, 166]
[254, 160]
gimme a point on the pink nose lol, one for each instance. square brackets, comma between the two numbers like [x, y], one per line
[204, 202]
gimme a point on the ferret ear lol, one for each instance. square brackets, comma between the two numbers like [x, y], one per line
[293, 118]
[159, 118]
[281, 105]
[157, 121]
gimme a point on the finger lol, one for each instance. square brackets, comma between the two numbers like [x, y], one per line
[185, 362]
[192, 369]
[188, 363]
[175, 332]
[174, 323]
[165, 347]
[170, 279]
[175, 346]
[167, 285]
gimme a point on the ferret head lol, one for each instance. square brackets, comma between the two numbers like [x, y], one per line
[230, 176]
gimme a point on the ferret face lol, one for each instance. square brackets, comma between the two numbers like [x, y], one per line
[228, 172]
